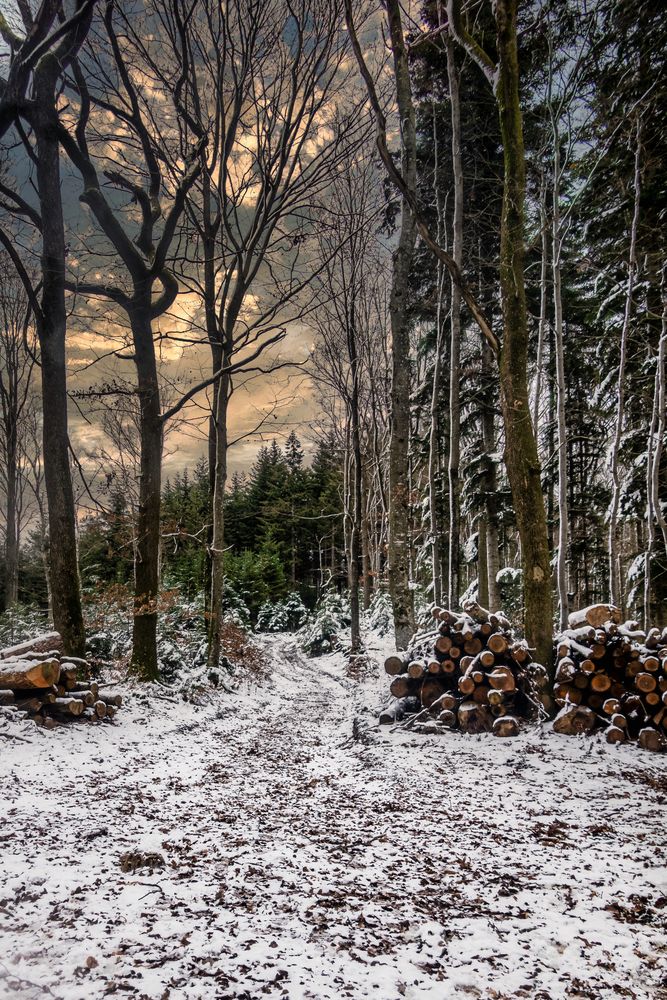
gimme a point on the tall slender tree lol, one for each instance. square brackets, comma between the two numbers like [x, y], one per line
[30, 94]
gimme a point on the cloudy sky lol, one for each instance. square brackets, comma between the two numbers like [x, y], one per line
[262, 407]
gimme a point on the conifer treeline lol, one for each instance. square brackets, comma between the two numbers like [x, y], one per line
[284, 530]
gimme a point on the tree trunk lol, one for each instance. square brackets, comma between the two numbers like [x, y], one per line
[147, 545]
[208, 246]
[399, 495]
[216, 609]
[616, 595]
[482, 564]
[434, 453]
[542, 322]
[563, 516]
[455, 345]
[51, 329]
[654, 513]
[490, 482]
[11, 517]
[523, 467]
[356, 488]
[366, 563]
[434, 430]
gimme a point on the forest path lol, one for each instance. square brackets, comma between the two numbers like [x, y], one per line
[309, 857]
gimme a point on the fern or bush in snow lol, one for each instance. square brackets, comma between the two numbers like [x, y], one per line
[282, 616]
[379, 616]
[321, 632]
[22, 622]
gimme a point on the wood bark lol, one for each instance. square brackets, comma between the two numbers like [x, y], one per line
[147, 543]
[654, 513]
[562, 437]
[434, 427]
[399, 498]
[51, 323]
[616, 595]
[27, 675]
[453, 587]
[543, 320]
[490, 486]
[216, 604]
[356, 483]
[523, 467]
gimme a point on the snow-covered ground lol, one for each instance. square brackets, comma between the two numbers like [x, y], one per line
[309, 856]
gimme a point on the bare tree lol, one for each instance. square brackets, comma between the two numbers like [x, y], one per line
[105, 82]
[17, 360]
[29, 94]
[347, 323]
[655, 517]
[263, 81]
[615, 576]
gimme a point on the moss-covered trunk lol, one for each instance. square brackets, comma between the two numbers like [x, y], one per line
[521, 458]
[399, 448]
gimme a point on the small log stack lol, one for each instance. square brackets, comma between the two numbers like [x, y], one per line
[612, 673]
[50, 688]
[469, 674]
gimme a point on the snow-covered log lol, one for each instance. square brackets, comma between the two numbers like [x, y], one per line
[29, 674]
[596, 615]
[44, 642]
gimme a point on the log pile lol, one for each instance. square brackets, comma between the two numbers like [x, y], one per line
[612, 673]
[470, 674]
[45, 686]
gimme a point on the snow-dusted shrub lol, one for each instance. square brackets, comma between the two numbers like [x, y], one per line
[283, 616]
[107, 613]
[172, 660]
[101, 646]
[22, 622]
[181, 633]
[235, 608]
[379, 617]
[320, 634]
[471, 593]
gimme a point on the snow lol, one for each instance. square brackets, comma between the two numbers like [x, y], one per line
[311, 855]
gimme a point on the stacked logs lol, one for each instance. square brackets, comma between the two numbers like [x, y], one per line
[471, 674]
[612, 673]
[50, 688]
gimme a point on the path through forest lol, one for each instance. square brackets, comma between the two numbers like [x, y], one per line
[311, 856]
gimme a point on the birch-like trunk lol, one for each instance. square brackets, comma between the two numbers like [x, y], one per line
[654, 515]
[616, 595]
[434, 428]
[399, 473]
[542, 322]
[492, 560]
[356, 491]
[455, 341]
[563, 516]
